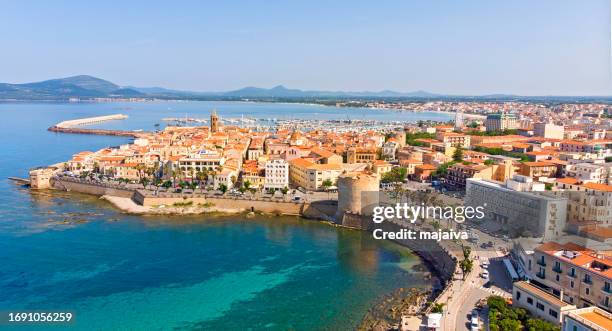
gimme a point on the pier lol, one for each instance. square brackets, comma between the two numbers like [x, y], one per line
[70, 126]
[90, 120]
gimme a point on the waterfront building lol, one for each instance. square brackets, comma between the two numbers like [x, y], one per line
[310, 176]
[537, 214]
[539, 303]
[225, 177]
[277, 174]
[203, 160]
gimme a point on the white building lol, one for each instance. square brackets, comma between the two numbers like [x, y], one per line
[277, 174]
[548, 130]
[225, 177]
[599, 173]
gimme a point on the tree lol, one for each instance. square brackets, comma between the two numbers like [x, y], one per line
[326, 185]
[247, 184]
[223, 188]
[466, 266]
[397, 174]
[458, 154]
[438, 308]
[284, 190]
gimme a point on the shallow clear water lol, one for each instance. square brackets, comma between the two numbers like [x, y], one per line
[67, 251]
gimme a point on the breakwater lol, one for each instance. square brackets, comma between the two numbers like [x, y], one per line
[90, 120]
[103, 132]
[71, 126]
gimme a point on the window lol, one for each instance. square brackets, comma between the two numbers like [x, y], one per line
[553, 313]
[540, 306]
[572, 284]
[518, 295]
[587, 291]
[530, 301]
[557, 277]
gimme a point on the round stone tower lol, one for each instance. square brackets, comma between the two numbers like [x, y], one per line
[358, 194]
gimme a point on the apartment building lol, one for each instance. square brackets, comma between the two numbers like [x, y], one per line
[310, 175]
[538, 169]
[196, 162]
[277, 174]
[459, 173]
[583, 275]
[454, 139]
[501, 121]
[599, 173]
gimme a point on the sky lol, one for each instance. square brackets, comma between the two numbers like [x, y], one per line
[467, 47]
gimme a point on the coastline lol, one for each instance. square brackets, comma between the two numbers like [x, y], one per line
[406, 301]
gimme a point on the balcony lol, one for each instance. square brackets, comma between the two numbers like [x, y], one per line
[607, 289]
[572, 275]
[557, 269]
[541, 263]
[541, 275]
[587, 281]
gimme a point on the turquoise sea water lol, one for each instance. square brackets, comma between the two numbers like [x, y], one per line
[65, 251]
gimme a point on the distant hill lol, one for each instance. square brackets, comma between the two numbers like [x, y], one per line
[82, 86]
[87, 87]
[283, 92]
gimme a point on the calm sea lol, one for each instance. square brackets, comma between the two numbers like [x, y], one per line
[65, 251]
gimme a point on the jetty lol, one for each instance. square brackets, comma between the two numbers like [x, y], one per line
[71, 126]
[90, 120]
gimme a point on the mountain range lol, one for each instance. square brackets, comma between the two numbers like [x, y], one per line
[87, 87]
[84, 86]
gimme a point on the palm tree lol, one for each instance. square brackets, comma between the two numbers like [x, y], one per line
[326, 185]
[201, 176]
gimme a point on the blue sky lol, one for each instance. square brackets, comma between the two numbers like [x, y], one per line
[544, 47]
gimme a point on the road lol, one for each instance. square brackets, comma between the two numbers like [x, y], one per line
[469, 292]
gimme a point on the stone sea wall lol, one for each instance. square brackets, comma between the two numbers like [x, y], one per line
[315, 210]
[76, 185]
[431, 251]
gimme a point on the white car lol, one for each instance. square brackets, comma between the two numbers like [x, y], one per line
[485, 265]
[474, 324]
[485, 274]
